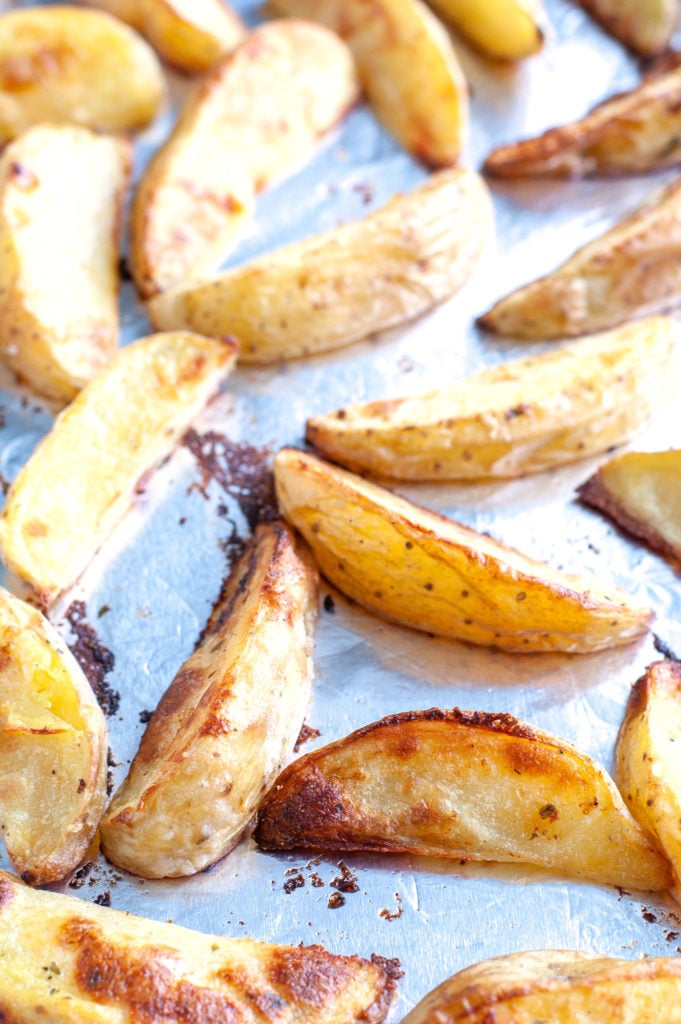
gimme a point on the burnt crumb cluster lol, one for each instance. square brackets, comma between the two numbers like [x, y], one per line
[345, 882]
[306, 734]
[96, 660]
[88, 875]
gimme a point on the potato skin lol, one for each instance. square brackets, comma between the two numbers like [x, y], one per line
[228, 721]
[192, 35]
[644, 26]
[503, 29]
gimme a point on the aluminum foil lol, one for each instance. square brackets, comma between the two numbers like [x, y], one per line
[147, 595]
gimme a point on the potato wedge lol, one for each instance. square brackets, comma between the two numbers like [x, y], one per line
[127, 10]
[116, 968]
[503, 29]
[632, 270]
[560, 986]
[53, 748]
[644, 26]
[227, 723]
[191, 34]
[417, 568]
[641, 491]
[62, 506]
[646, 757]
[462, 784]
[255, 116]
[409, 70]
[332, 289]
[63, 63]
[61, 192]
[518, 417]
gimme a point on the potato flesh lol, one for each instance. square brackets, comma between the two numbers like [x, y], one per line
[408, 68]
[335, 288]
[504, 29]
[644, 26]
[465, 785]
[61, 63]
[67, 498]
[518, 417]
[227, 723]
[191, 34]
[414, 567]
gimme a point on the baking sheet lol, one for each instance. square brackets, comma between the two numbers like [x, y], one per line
[147, 595]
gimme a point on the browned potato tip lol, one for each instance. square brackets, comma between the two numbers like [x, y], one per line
[466, 785]
[644, 26]
[560, 986]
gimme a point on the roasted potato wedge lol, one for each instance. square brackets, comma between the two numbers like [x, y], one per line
[503, 29]
[63, 63]
[116, 968]
[632, 270]
[462, 784]
[415, 567]
[61, 191]
[559, 986]
[641, 491]
[227, 723]
[646, 758]
[335, 288]
[409, 70]
[191, 34]
[80, 479]
[255, 116]
[127, 10]
[53, 748]
[518, 417]
[644, 26]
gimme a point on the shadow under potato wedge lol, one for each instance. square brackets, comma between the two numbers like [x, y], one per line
[466, 785]
[503, 29]
[414, 567]
[644, 26]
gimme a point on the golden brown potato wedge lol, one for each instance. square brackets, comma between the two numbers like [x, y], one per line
[503, 29]
[191, 34]
[415, 567]
[641, 491]
[254, 117]
[647, 766]
[53, 748]
[228, 722]
[64, 63]
[560, 986]
[78, 962]
[462, 784]
[332, 289]
[632, 270]
[644, 26]
[127, 10]
[408, 68]
[61, 191]
[518, 417]
[63, 505]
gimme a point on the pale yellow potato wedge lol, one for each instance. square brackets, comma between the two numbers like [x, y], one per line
[53, 748]
[254, 117]
[63, 63]
[409, 70]
[632, 270]
[519, 417]
[73, 962]
[80, 480]
[503, 29]
[335, 288]
[61, 192]
[641, 491]
[560, 986]
[191, 34]
[228, 722]
[466, 785]
[417, 568]
[644, 26]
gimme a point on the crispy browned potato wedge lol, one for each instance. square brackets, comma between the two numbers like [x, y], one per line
[64, 63]
[462, 784]
[519, 417]
[62, 506]
[255, 116]
[647, 766]
[503, 29]
[560, 986]
[634, 269]
[409, 70]
[111, 967]
[641, 491]
[61, 191]
[415, 567]
[644, 26]
[191, 34]
[228, 722]
[335, 288]
[53, 748]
